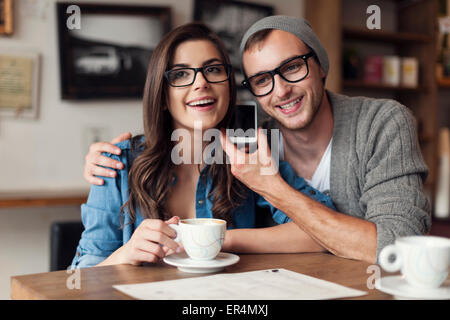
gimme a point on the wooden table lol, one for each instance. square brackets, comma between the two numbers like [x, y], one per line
[97, 282]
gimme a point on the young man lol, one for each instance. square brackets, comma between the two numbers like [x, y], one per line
[363, 151]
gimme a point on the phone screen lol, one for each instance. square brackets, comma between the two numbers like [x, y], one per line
[243, 118]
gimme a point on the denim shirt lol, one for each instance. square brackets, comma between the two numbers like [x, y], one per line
[104, 233]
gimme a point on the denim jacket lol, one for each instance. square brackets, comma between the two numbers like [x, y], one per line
[104, 233]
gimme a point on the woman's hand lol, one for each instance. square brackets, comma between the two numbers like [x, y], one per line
[150, 242]
[94, 160]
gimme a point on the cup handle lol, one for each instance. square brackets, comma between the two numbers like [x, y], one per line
[384, 258]
[176, 227]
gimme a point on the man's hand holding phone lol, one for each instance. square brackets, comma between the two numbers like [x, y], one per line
[256, 170]
[243, 126]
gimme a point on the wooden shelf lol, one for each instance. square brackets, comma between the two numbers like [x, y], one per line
[426, 138]
[440, 227]
[416, 37]
[26, 199]
[385, 36]
[444, 83]
[429, 183]
[357, 84]
[442, 220]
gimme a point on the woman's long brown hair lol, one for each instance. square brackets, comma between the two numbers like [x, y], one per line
[151, 175]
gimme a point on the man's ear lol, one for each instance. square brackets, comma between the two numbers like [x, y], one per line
[322, 74]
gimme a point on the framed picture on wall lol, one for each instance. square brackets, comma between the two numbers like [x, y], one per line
[6, 17]
[230, 19]
[19, 83]
[107, 55]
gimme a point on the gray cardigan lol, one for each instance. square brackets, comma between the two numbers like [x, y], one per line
[377, 170]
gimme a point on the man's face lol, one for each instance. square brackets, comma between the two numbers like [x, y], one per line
[293, 105]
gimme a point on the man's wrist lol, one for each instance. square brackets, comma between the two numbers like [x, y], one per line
[273, 188]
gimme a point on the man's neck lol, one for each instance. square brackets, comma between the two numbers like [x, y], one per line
[309, 144]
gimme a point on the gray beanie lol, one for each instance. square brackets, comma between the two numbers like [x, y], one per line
[299, 27]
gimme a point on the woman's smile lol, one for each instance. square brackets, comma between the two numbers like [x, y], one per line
[202, 104]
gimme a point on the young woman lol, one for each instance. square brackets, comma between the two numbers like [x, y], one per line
[189, 81]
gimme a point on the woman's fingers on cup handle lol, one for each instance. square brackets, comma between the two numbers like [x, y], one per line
[169, 251]
[166, 241]
[144, 256]
[150, 247]
[173, 220]
[159, 232]
[163, 226]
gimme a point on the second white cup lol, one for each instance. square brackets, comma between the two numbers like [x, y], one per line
[423, 260]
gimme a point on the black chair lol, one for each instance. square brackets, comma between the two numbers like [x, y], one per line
[64, 238]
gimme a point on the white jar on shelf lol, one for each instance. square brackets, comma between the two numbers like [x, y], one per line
[391, 70]
[410, 71]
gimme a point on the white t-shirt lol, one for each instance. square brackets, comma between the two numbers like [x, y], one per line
[321, 177]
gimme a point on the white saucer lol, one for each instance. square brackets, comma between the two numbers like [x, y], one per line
[186, 264]
[400, 289]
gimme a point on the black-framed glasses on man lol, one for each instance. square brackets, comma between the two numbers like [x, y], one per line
[292, 70]
[183, 77]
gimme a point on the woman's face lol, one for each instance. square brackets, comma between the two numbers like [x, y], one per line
[204, 102]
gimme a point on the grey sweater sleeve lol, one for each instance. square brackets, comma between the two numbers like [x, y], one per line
[394, 172]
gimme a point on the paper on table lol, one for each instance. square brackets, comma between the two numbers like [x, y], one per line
[262, 284]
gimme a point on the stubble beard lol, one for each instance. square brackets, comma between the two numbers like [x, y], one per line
[304, 125]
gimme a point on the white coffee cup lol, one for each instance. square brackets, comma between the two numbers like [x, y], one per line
[202, 238]
[423, 260]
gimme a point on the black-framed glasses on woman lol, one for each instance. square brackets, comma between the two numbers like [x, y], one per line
[293, 70]
[183, 77]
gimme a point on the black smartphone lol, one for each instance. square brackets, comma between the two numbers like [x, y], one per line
[244, 124]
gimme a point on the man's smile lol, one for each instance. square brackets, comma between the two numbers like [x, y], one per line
[291, 106]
